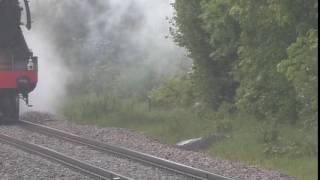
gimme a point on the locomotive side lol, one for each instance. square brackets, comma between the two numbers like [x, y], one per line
[18, 66]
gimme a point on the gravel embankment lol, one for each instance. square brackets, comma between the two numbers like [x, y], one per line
[139, 142]
[19, 165]
[107, 161]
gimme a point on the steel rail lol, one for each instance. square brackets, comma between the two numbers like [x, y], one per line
[80, 166]
[134, 155]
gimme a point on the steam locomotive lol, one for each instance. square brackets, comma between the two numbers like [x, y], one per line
[18, 65]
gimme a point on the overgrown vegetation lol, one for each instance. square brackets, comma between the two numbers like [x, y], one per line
[254, 78]
[259, 55]
[287, 148]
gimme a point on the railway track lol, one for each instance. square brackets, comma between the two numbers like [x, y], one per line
[123, 152]
[80, 166]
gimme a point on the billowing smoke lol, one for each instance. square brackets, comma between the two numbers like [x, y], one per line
[75, 36]
[53, 75]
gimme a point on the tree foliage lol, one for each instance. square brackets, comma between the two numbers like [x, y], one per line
[212, 76]
[261, 55]
[176, 91]
[301, 69]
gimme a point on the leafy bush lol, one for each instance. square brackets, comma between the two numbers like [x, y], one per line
[176, 91]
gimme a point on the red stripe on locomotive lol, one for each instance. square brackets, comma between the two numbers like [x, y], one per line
[8, 79]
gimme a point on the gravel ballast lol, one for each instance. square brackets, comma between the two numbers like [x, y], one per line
[19, 165]
[107, 161]
[138, 142]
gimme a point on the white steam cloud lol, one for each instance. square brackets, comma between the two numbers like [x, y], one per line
[130, 28]
[53, 75]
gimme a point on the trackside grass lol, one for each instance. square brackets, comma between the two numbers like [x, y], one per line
[293, 153]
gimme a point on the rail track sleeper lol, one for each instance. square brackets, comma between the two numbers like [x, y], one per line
[85, 168]
[138, 156]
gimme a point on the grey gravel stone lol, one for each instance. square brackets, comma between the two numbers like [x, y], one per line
[111, 162]
[19, 165]
[139, 142]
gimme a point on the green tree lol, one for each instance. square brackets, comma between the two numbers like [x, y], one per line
[211, 75]
[255, 47]
[301, 69]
